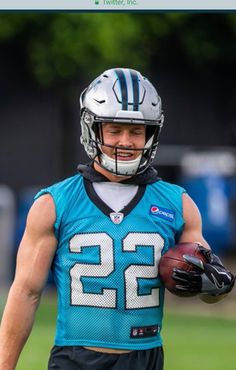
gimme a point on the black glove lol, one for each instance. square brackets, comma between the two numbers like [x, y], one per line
[210, 277]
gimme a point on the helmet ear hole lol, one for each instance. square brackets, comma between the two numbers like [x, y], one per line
[152, 131]
[98, 132]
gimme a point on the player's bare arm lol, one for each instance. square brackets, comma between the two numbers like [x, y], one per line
[211, 279]
[34, 259]
[193, 223]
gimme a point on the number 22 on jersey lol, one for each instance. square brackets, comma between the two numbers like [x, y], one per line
[106, 266]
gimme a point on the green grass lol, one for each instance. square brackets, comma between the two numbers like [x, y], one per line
[191, 342]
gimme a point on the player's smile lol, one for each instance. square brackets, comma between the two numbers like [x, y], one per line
[124, 156]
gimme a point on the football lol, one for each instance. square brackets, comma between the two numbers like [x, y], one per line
[174, 258]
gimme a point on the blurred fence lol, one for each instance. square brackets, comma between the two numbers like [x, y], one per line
[210, 179]
[7, 232]
[14, 209]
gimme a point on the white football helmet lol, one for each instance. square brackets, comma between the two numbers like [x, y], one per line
[120, 95]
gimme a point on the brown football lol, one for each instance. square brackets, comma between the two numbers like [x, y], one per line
[174, 258]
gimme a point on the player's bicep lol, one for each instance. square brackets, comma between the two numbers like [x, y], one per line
[192, 231]
[37, 247]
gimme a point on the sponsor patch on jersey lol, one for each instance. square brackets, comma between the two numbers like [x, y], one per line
[116, 217]
[144, 331]
[166, 214]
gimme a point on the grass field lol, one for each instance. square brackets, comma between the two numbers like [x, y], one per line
[191, 342]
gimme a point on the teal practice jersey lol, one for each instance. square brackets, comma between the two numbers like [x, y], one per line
[106, 264]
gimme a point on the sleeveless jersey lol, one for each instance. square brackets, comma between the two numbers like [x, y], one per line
[106, 264]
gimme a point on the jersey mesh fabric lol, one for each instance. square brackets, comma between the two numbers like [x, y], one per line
[109, 293]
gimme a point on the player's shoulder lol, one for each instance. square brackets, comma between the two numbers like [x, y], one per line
[42, 213]
[68, 182]
[62, 196]
[166, 186]
[68, 185]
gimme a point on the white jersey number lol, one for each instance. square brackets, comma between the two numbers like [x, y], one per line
[108, 297]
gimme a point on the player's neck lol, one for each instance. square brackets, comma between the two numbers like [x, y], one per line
[110, 176]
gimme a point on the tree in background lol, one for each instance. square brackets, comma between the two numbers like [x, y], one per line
[60, 46]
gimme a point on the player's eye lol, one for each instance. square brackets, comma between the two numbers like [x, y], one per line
[114, 131]
[137, 132]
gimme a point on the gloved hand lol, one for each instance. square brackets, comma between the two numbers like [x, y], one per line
[210, 277]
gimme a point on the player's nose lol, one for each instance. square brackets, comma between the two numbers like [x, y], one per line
[125, 139]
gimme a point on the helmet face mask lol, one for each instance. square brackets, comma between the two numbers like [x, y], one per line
[121, 96]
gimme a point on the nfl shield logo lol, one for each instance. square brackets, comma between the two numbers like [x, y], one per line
[116, 217]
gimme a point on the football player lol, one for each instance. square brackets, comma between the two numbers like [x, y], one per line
[102, 232]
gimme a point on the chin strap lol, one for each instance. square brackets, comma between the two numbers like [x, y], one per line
[120, 168]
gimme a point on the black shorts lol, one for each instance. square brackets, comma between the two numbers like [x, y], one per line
[79, 358]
